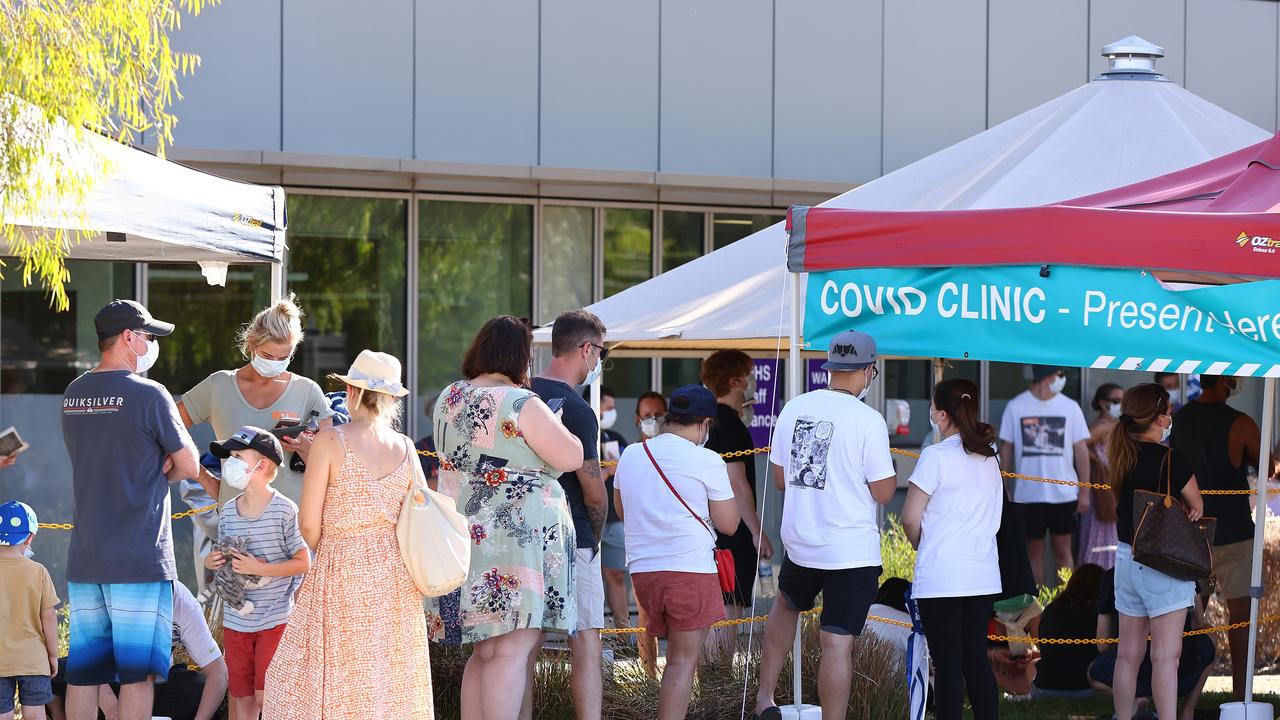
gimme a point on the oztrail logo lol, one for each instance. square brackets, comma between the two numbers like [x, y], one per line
[1258, 243]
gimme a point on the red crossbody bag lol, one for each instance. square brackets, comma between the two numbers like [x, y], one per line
[725, 567]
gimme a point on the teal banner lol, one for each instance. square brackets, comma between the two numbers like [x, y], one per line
[1078, 317]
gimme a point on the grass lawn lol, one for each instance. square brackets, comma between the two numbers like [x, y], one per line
[1100, 708]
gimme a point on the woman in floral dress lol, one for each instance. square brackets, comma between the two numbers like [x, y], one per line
[501, 453]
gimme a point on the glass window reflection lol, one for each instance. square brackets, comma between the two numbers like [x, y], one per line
[628, 248]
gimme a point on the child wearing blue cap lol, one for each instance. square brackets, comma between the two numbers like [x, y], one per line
[28, 620]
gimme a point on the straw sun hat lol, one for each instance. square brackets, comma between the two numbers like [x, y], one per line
[375, 371]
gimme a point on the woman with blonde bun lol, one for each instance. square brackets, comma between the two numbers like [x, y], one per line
[262, 393]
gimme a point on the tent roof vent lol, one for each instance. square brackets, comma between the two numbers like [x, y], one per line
[1132, 58]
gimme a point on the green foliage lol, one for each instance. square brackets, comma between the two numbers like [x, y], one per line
[67, 68]
[897, 557]
[1047, 594]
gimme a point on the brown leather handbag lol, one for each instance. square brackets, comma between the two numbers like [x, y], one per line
[1165, 539]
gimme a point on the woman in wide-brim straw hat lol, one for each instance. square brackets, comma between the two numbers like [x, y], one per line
[356, 645]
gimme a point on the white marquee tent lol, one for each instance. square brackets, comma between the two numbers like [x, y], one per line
[1123, 127]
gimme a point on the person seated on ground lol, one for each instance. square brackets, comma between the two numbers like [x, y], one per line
[891, 604]
[1063, 670]
[1194, 666]
[1014, 673]
[188, 694]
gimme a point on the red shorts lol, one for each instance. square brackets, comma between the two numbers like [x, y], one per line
[248, 656]
[680, 601]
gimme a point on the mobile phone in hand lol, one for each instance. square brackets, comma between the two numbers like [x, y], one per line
[555, 404]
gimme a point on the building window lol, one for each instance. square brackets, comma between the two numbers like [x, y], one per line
[628, 248]
[683, 236]
[730, 228]
[566, 260]
[204, 335]
[678, 372]
[474, 262]
[42, 350]
[347, 263]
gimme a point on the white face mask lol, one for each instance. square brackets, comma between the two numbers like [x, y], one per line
[934, 426]
[866, 390]
[1175, 396]
[1114, 411]
[649, 427]
[268, 368]
[1164, 434]
[706, 435]
[608, 418]
[148, 359]
[594, 373]
[1058, 383]
[26, 553]
[236, 472]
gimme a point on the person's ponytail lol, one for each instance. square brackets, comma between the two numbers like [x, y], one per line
[958, 398]
[1142, 405]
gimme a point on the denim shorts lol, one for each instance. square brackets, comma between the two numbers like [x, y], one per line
[613, 547]
[32, 690]
[1146, 592]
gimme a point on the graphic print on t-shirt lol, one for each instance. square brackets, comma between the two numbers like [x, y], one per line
[810, 444]
[1044, 436]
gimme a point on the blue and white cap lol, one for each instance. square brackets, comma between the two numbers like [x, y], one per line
[17, 521]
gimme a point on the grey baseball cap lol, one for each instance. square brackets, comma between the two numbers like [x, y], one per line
[850, 350]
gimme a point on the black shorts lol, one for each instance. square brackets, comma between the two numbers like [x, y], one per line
[1053, 518]
[847, 594]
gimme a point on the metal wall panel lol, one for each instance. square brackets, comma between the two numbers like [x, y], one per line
[1036, 52]
[1231, 56]
[935, 85]
[1162, 22]
[827, 90]
[717, 87]
[233, 100]
[348, 77]
[477, 81]
[599, 104]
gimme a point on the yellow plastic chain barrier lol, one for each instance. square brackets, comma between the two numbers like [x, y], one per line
[995, 638]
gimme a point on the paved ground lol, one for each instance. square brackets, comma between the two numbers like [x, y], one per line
[1262, 684]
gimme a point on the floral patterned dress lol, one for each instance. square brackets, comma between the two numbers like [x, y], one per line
[521, 530]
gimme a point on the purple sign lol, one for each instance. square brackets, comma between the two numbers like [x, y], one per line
[767, 404]
[815, 377]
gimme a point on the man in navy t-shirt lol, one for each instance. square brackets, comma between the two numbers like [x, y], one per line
[127, 444]
[577, 350]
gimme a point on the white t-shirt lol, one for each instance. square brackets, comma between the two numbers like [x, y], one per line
[190, 628]
[957, 555]
[1044, 434]
[661, 534]
[830, 445]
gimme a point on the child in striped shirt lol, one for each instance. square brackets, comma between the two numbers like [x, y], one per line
[268, 523]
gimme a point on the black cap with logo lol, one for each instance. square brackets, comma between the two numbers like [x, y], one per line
[250, 438]
[121, 315]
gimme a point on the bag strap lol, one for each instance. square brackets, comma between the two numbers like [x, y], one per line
[672, 488]
[1168, 473]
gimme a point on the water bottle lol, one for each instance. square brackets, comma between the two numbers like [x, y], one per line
[768, 584]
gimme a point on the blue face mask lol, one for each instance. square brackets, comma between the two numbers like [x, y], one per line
[594, 374]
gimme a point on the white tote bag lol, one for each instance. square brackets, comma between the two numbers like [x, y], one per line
[434, 539]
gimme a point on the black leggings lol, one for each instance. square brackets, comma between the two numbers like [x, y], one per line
[956, 628]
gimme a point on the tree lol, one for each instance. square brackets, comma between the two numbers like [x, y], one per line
[69, 67]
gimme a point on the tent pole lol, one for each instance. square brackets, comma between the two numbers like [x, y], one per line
[795, 380]
[277, 281]
[1260, 528]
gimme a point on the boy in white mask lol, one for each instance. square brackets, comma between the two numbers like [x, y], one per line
[268, 522]
[1043, 433]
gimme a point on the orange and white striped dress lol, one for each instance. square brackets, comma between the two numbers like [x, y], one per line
[356, 644]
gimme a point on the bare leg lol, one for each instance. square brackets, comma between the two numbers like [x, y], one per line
[56, 708]
[779, 634]
[1166, 649]
[720, 641]
[1062, 553]
[246, 707]
[472, 690]
[108, 703]
[136, 700]
[615, 591]
[504, 674]
[835, 675]
[586, 678]
[648, 646]
[677, 679]
[32, 712]
[526, 706]
[1129, 656]
[1238, 608]
[1035, 553]
[82, 702]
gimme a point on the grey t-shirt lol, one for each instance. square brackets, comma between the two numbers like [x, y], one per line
[218, 401]
[119, 428]
[272, 536]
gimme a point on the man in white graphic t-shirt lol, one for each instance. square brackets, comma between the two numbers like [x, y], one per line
[831, 457]
[1043, 433]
